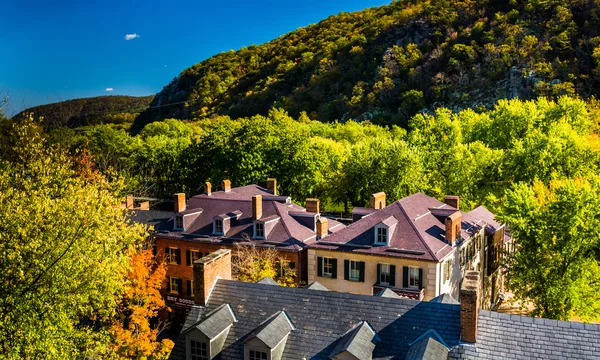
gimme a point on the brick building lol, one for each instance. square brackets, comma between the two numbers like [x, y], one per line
[221, 219]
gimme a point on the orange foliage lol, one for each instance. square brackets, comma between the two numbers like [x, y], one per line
[133, 335]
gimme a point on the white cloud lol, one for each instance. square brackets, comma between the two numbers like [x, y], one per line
[110, 89]
[131, 36]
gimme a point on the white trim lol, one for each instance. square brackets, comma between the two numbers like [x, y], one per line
[387, 234]
[175, 227]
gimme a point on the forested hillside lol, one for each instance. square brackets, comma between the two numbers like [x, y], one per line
[89, 111]
[385, 64]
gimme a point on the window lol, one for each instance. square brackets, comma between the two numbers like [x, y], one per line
[257, 355]
[259, 230]
[199, 350]
[381, 237]
[174, 285]
[193, 255]
[413, 277]
[327, 267]
[179, 222]
[218, 227]
[172, 255]
[190, 287]
[385, 274]
[354, 270]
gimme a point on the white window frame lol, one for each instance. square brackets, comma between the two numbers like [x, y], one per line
[178, 218]
[216, 229]
[388, 267]
[250, 357]
[379, 235]
[328, 261]
[173, 280]
[354, 270]
[256, 230]
[199, 356]
[413, 277]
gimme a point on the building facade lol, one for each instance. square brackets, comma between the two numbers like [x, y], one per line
[418, 247]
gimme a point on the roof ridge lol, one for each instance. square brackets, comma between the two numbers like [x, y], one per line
[416, 231]
[287, 230]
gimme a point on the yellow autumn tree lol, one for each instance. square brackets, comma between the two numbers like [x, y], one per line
[133, 335]
[251, 264]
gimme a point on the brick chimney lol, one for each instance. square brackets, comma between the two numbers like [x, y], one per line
[179, 202]
[452, 200]
[322, 227]
[313, 205]
[453, 225]
[207, 270]
[378, 200]
[272, 185]
[207, 188]
[256, 207]
[129, 201]
[226, 185]
[469, 307]
[144, 205]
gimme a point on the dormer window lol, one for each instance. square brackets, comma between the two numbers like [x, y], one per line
[259, 230]
[218, 227]
[382, 236]
[257, 355]
[179, 222]
[198, 350]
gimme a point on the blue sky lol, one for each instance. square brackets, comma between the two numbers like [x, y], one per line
[64, 49]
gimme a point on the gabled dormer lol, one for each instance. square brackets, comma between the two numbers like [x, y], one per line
[267, 341]
[261, 228]
[182, 220]
[384, 231]
[222, 223]
[205, 339]
[356, 344]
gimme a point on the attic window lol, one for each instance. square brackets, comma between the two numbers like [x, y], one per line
[179, 222]
[381, 237]
[259, 230]
[198, 350]
[257, 355]
[218, 227]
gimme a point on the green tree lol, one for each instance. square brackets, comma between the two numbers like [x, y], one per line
[556, 262]
[63, 238]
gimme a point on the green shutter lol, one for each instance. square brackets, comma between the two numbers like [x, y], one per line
[361, 267]
[180, 286]
[319, 266]
[334, 268]
[346, 269]
[420, 279]
[188, 258]
[188, 286]
[178, 256]
[378, 274]
[405, 276]
[392, 275]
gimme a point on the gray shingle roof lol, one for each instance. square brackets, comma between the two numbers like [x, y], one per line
[427, 348]
[445, 298]
[388, 294]
[359, 341]
[215, 322]
[267, 280]
[273, 330]
[158, 219]
[504, 336]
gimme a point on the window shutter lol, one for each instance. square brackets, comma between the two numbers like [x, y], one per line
[188, 286]
[405, 276]
[378, 273]
[334, 268]
[180, 286]
[188, 258]
[420, 279]
[392, 275]
[178, 256]
[319, 266]
[361, 266]
[167, 254]
[346, 269]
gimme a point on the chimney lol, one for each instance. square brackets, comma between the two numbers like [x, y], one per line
[452, 201]
[256, 207]
[272, 185]
[145, 205]
[322, 227]
[226, 185]
[207, 270]
[312, 205]
[378, 200]
[207, 188]
[179, 202]
[469, 307]
[129, 201]
[453, 225]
